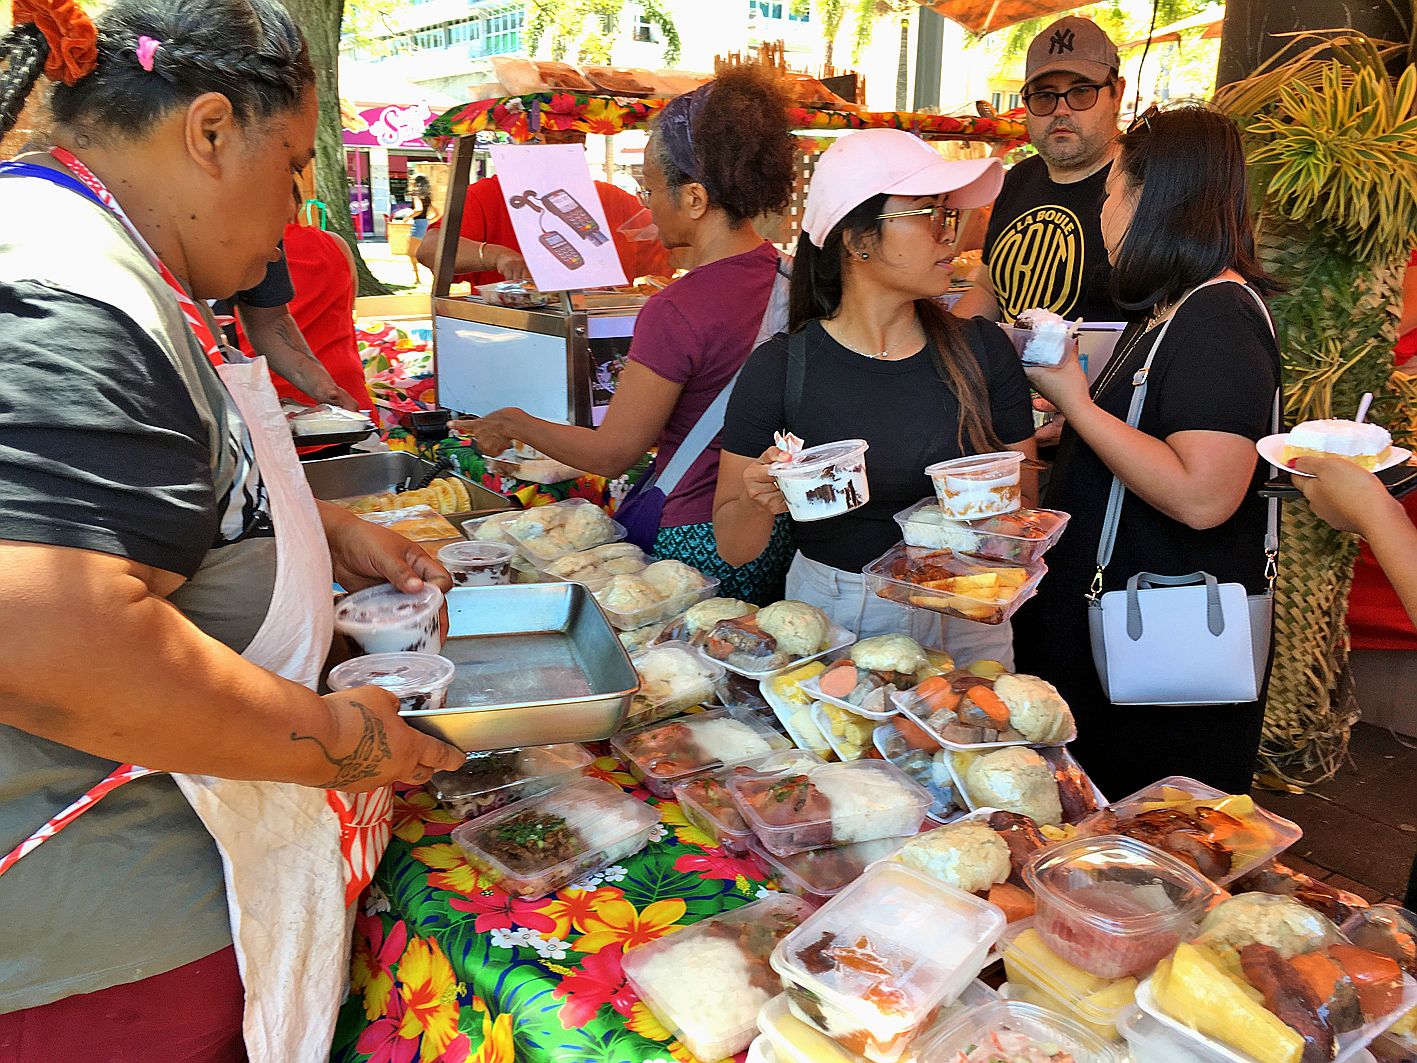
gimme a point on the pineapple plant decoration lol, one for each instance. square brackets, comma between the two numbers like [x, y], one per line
[1331, 138]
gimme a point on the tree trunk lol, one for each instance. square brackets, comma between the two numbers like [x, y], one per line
[320, 21]
[902, 73]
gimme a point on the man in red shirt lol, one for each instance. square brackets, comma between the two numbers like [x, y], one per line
[488, 251]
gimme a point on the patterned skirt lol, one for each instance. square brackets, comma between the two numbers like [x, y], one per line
[760, 581]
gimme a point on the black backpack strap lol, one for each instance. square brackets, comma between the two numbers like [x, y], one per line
[796, 377]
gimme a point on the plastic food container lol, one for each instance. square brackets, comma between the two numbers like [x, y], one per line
[707, 802]
[1046, 345]
[418, 680]
[1351, 1046]
[1251, 835]
[515, 294]
[986, 592]
[673, 678]
[667, 753]
[838, 638]
[706, 983]
[818, 875]
[489, 781]
[474, 564]
[1021, 537]
[796, 1042]
[879, 704]
[536, 846]
[929, 769]
[599, 565]
[1040, 976]
[535, 470]
[835, 804]
[824, 481]
[640, 639]
[1152, 1042]
[919, 712]
[848, 734]
[1114, 906]
[384, 619]
[760, 1051]
[984, 485]
[871, 966]
[657, 611]
[491, 528]
[735, 692]
[1007, 1029]
[546, 533]
[1086, 799]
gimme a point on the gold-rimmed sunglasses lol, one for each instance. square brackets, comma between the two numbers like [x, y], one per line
[944, 221]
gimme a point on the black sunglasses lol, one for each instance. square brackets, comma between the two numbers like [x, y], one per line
[1080, 98]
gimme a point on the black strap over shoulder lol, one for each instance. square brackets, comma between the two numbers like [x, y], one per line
[796, 377]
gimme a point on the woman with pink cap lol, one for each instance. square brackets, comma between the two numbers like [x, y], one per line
[870, 354]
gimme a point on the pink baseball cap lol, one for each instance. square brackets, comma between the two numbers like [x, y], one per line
[891, 161]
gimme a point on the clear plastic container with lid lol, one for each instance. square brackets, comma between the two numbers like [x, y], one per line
[824, 481]
[818, 875]
[477, 564]
[635, 601]
[666, 753]
[835, 804]
[545, 533]
[776, 665]
[599, 565]
[1016, 1031]
[707, 802]
[927, 766]
[796, 1042]
[489, 781]
[1020, 537]
[1248, 835]
[985, 592]
[536, 846]
[1152, 1042]
[384, 619]
[706, 983]
[491, 528]
[983, 485]
[870, 967]
[1114, 906]
[1040, 976]
[418, 680]
[761, 1051]
[673, 677]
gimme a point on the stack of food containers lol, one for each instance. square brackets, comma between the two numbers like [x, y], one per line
[1108, 910]
[870, 967]
[489, 781]
[1009, 1030]
[707, 802]
[678, 750]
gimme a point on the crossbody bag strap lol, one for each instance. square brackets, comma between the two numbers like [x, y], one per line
[1115, 496]
[700, 437]
[796, 377]
[1271, 530]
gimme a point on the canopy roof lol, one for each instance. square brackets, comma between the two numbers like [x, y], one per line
[1211, 22]
[985, 16]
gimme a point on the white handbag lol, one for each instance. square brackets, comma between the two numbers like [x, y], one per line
[1180, 640]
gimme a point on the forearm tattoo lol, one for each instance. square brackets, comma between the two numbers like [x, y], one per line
[365, 761]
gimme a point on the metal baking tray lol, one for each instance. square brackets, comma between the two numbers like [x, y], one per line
[536, 664]
[370, 474]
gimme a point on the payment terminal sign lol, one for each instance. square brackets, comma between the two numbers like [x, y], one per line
[557, 215]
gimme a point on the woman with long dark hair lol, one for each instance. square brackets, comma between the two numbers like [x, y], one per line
[884, 362]
[1175, 223]
[164, 568]
[719, 158]
[420, 194]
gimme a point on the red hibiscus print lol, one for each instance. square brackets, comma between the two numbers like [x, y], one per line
[600, 981]
[715, 863]
[497, 910]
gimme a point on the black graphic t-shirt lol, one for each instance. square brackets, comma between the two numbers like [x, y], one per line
[1044, 245]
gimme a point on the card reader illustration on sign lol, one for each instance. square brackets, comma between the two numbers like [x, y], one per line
[558, 217]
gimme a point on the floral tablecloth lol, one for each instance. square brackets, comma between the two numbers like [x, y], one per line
[450, 969]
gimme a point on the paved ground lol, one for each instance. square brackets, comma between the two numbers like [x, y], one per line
[1360, 829]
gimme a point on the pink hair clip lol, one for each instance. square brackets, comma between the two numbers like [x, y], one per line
[147, 50]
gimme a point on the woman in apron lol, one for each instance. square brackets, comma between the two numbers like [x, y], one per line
[183, 820]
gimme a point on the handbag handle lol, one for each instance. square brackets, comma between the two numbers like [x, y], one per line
[1214, 613]
[1116, 494]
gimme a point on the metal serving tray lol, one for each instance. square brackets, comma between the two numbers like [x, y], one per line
[369, 474]
[536, 664]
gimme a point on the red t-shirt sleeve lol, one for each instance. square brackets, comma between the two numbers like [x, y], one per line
[640, 258]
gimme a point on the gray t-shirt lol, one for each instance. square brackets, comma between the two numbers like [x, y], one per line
[115, 436]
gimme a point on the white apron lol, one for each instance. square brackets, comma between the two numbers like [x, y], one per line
[294, 857]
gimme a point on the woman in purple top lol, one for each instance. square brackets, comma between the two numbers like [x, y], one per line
[719, 157]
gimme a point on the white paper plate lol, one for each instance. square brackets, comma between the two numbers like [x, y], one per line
[1271, 448]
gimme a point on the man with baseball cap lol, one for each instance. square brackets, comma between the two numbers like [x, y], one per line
[1044, 243]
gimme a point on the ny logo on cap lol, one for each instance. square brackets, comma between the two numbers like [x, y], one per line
[1061, 42]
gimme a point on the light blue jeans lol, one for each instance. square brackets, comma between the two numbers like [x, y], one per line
[847, 600]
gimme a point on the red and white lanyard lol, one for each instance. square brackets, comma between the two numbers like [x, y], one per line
[196, 320]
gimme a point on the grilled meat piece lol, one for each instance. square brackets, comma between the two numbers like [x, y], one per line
[1288, 996]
